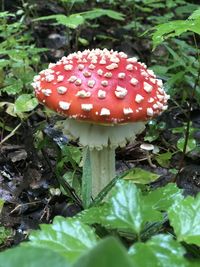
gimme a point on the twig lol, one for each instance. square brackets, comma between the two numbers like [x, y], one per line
[10, 134]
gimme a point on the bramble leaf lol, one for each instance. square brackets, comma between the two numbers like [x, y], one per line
[160, 251]
[68, 237]
[184, 217]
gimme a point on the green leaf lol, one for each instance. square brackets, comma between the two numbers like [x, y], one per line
[163, 197]
[13, 87]
[98, 12]
[159, 251]
[191, 144]
[72, 21]
[164, 159]
[25, 103]
[31, 257]
[126, 209]
[95, 215]
[195, 14]
[4, 63]
[176, 28]
[68, 237]
[108, 253]
[184, 217]
[140, 176]
[5, 233]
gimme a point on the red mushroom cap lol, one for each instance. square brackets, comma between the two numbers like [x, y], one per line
[101, 86]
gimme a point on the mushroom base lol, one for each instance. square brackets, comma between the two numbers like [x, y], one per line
[99, 136]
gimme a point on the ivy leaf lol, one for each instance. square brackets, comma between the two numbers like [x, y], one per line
[163, 197]
[31, 257]
[68, 237]
[109, 252]
[159, 251]
[25, 103]
[184, 217]
[140, 176]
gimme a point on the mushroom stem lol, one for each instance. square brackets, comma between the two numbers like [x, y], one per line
[102, 167]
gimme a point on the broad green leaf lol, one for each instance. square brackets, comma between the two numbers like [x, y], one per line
[164, 159]
[68, 237]
[163, 198]
[140, 176]
[31, 257]
[191, 144]
[95, 215]
[126, 209]
[184, 217]
[160, 251]
[195, 14]
[107, 253]
[25, 103]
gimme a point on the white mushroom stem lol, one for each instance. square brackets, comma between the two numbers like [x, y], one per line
[102, 167]
[102, 141]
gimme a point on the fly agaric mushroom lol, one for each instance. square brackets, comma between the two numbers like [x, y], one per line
[107, 98]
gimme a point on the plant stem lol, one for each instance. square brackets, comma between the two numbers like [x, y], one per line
[102, 168]
[187, 132]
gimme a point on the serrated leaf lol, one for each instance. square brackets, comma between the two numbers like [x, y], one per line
[14, 86]
[163, 198]
[68, 237]
[31, 257]
[195, 14]
[140, 176]
[160, 251]
[98, 12]
[72, 21]
[25, 103]
[175, 28]
[126, 209]
[107, 253]
[184, 217]
[95, 214]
